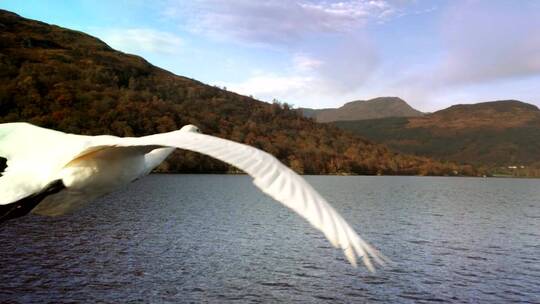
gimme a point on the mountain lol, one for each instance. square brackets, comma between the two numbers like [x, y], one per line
[499, 134]
[67, 80]
[364, 109]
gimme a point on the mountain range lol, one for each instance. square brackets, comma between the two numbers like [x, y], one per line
[499, 135]
[70, 81]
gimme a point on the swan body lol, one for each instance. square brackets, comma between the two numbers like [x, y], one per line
[51, 173]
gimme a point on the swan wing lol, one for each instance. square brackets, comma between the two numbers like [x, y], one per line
[30, 153]
[35, 155]
[277, 181]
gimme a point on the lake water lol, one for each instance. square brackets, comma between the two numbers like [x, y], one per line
[216, 238]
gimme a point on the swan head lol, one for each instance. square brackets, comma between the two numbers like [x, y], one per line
[190, 128]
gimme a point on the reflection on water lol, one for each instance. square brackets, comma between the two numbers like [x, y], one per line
[215, 238]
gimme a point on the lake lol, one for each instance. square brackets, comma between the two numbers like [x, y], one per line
[216, 238]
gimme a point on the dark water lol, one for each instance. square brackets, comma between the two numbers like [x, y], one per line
[205, 238]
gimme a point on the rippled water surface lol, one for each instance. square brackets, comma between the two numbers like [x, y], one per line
[216, 238]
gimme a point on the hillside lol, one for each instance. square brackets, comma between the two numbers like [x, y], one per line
[70, 81]
[380, 107]
[495, 134]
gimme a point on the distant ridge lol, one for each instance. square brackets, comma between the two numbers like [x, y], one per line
[379, 107]
[493, 114]
[497, 134]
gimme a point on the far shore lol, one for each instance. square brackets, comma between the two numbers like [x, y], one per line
[497, 176]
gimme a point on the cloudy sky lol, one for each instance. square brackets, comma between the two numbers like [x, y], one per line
[313, 53]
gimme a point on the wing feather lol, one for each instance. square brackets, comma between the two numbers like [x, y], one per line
[277, 181]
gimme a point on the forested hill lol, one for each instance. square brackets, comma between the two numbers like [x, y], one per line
[503, 135]
[67, 80]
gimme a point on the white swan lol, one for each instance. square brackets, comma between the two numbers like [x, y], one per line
[50, 172]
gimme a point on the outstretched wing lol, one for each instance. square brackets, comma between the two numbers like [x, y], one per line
[35, 157]
[276, 180]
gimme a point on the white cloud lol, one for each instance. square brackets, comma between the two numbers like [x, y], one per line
[305, 63]
[314, 73]
[141, 40]
[490, 42]
[296, 89]
[311, 81]
[268, 86]
[488, 49]
[281, 22]
[347, 14]
[348, 63]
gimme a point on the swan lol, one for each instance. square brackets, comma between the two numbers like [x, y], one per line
[51, 173]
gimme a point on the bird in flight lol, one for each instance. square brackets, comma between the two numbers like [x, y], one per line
[52, 173]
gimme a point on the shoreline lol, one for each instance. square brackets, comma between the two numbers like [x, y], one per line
[345, 175]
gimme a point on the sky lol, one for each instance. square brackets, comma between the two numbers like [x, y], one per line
[319, 54]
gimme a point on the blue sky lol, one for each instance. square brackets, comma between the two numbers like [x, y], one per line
[319, 54]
